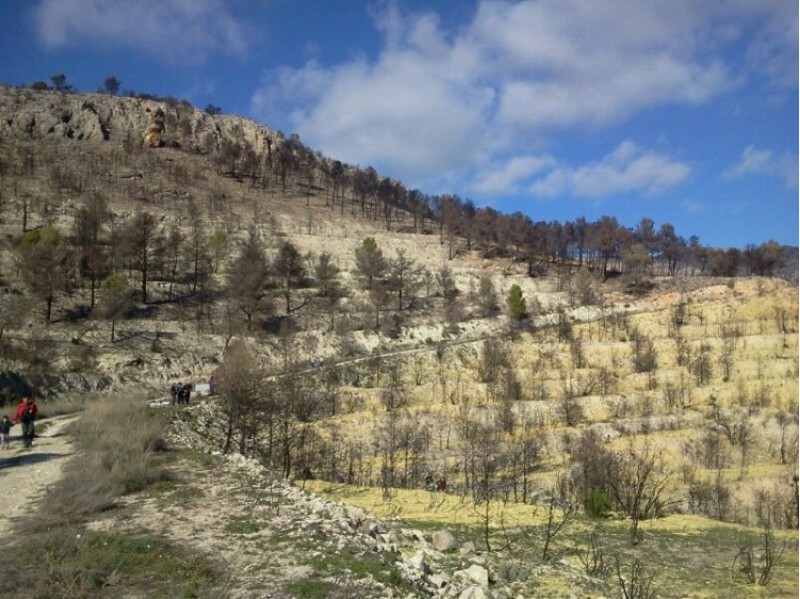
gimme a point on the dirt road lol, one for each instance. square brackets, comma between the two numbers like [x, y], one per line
[26, 473]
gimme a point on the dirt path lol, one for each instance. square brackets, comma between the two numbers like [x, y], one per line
[26, 473]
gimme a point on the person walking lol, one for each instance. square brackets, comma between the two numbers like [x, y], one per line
[175, 392]
[5, 432]
[25, 415]
[186, 393]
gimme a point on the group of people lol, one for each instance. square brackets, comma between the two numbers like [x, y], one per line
[24, 415]
[180, 393]
[440, 485]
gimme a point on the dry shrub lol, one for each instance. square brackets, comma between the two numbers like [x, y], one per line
[119, 442]
[50, 552]
[64, 404]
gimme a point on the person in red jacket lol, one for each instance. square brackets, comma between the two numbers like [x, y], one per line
[25, 415]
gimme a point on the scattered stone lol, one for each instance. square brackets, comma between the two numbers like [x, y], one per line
[443, 540]
[473, 592]
[476, 574]
[467, 548]
[417, 561]
[439, 580]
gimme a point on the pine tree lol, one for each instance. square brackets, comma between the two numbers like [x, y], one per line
[370, 262]
[516, 303]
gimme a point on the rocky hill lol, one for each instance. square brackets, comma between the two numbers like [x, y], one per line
[365, 349]
[207, 180]
[47, 117]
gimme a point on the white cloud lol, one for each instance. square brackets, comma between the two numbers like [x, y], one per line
[573, 62]
[627, 169]
[408, 111]
[756, 161]
[507, 178]
[438, 104]
[170, 29]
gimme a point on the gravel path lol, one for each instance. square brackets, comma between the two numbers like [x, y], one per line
[26, 473]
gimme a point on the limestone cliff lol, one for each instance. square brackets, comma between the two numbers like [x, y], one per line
[30, 115]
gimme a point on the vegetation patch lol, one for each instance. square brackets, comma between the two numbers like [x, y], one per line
[242, 525]
[310, 588]
[684, 555]
[361, 564]
[76, 562]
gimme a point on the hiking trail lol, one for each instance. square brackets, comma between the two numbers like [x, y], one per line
[26, 473]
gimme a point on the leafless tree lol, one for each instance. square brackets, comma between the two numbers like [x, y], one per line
[526, 453]
[199, 250]
[240, 379]
[758, 566]
[638, 482]
[172, 246]
[584, 288]
[488, 300]
[484, 462]
[701, 365]
[644, 352]
[637, 583]
[44, 261]
[140, 238]
[90, 220]
[495, 355]
[569, 408]
[446, 282]
[592, 557]
[558, 512]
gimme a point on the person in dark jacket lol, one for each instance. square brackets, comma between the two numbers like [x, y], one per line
[25, 415]
[5, 432]
[175, 391]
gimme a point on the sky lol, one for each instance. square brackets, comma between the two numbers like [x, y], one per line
[684, 112]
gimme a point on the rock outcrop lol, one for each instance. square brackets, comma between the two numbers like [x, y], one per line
[33, 115]
[154, 132]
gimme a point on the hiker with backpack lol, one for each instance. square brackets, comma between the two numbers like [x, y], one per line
[25, 415]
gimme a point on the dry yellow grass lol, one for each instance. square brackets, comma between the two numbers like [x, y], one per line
[633, 411]
[690, 556]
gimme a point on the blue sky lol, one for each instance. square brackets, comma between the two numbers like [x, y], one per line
[683, 111]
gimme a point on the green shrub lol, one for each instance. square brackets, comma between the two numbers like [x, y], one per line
[516, 303]
[596, 503]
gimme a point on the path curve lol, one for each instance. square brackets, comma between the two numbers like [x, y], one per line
[26, 473]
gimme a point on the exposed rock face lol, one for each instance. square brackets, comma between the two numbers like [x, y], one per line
[15, 384]
[27, 114]
[155, 130]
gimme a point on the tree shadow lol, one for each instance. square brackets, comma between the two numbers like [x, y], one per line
[23, 459]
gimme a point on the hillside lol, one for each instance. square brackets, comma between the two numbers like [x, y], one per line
[364, 348]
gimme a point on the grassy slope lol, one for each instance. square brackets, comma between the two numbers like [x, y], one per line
[690, 556]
